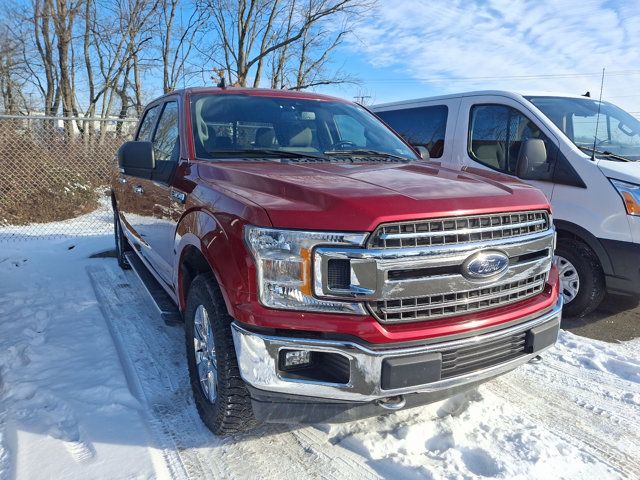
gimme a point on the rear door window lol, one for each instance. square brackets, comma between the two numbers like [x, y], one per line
[421, 126]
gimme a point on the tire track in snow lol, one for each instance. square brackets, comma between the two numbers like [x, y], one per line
[153, 356]
[596, 433]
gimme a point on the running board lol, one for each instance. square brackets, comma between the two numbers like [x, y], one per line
[161, 299]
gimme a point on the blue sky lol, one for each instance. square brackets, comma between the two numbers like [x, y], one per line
[416, 48]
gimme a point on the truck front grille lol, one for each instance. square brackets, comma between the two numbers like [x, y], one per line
[457, 230]
[456, 303]
[472, 358]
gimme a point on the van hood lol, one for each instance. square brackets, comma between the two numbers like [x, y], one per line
[625, 171]
[358, 197]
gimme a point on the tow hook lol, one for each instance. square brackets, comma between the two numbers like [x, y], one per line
[392, 403]
[536, 359]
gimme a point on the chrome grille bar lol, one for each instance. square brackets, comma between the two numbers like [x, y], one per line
[456, 230]
[458, 303]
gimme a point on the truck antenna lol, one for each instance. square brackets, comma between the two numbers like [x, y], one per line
[595, 137]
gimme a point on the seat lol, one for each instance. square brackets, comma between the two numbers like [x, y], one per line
[491, 155]
[265, 138]
[302, 140]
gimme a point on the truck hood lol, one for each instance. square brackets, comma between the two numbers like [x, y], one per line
[358, 197]
[626, 171]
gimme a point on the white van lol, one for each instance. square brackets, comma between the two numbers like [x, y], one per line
[548, 141]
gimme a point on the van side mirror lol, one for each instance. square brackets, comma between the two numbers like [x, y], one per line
[532, 160]
[423, 151]
[136, 159]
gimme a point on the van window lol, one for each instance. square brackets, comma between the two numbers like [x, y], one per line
[422, 126]
[496, 133]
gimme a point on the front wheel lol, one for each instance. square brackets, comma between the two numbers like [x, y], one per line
[582, 281]
[220, 394]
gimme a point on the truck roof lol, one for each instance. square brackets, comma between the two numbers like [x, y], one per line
[503, 93]
[256, 92]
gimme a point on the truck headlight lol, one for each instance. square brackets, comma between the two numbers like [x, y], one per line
[630, 193]
[284, 264]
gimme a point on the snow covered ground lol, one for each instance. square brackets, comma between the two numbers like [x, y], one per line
[94, 385]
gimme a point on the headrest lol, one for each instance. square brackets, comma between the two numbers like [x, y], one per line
[302, 139]
[264, 137]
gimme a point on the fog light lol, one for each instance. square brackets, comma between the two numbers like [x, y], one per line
[292, 359]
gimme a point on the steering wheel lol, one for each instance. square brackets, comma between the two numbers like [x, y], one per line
[606, 141]
[342, 144]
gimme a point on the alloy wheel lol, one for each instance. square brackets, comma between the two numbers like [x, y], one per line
[569, 279]
[205, 353]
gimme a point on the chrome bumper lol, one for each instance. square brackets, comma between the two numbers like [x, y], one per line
[258, 361]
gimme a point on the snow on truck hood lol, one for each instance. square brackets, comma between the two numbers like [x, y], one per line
[625, 171]
[358, 197]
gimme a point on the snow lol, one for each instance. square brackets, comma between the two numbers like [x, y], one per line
[93, 385]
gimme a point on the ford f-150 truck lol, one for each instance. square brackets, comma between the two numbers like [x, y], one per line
[323, 270]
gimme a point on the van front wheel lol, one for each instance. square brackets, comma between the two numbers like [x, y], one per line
[581, 278]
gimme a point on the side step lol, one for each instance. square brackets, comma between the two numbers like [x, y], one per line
[163, 302]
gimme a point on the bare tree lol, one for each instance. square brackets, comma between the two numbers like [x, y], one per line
[250, 31]
[177, 41]
[63, 14]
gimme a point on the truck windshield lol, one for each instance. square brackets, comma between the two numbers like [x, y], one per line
[228, 126]
[618, 132]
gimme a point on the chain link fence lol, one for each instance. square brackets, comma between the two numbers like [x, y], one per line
[55, 175]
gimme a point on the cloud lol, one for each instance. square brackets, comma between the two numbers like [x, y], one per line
[447, 43]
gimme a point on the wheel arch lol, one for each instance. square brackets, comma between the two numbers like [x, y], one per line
[571, 230]
[197, 236]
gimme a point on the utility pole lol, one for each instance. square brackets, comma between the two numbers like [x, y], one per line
[361, 98]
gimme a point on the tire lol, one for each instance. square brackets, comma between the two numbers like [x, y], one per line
[581, 277]
[122, 244]
[229, 411]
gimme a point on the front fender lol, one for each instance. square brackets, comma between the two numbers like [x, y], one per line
[219, 239]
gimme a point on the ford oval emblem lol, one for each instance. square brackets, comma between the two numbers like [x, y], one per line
[484, 265]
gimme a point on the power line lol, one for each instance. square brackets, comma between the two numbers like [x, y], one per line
[443, 77]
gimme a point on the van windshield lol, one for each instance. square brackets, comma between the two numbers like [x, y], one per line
[229, 126]
[618, 132]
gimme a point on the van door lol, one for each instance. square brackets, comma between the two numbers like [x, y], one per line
[492, 131]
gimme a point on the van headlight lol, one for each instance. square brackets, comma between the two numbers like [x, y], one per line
[284, 265]
[630, 193]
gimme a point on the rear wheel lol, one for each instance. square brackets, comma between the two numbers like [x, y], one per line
[122, 244]
[220, 394]
[582, 283]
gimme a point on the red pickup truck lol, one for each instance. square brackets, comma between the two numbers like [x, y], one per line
[325, 271]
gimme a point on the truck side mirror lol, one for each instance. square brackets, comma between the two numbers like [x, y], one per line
[532, 160]
[423, 151]
[136, 159]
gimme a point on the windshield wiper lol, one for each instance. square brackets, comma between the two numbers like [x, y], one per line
[368, 153]
[270, 152]
[591, 150]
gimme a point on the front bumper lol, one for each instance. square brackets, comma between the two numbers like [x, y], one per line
[625, 261]
[377, 374]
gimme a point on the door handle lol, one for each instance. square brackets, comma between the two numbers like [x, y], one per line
[138, 189]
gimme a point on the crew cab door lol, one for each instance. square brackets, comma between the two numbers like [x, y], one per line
[148, 205]
[491, 132]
